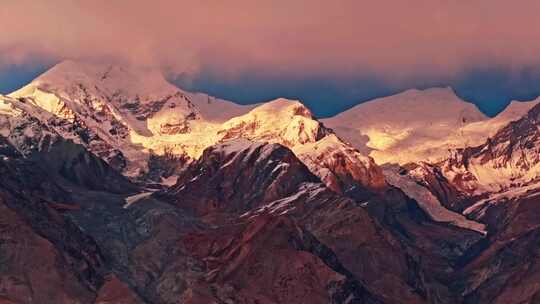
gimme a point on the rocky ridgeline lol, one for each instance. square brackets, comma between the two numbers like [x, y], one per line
[268, 206]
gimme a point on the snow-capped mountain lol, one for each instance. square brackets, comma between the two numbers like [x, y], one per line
[290, 123]
[476, 133]
[413, 125]
[419, 125]
[510, 158]
[270, 205]
[138, 122]
[127, 114]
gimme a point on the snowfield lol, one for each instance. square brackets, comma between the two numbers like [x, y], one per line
[419, 125]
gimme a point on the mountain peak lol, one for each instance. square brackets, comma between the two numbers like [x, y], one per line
[406, 126]
[415, 106]
[516, 109]
[285, 106]
[109, 78]
[286, 121]
[435, 91]
[290, 123]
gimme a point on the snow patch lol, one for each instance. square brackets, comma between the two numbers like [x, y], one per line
[130, 200]
[428, 202]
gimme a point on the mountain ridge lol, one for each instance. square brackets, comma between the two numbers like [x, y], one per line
[269, 205]
[148, 128]
[419, 125]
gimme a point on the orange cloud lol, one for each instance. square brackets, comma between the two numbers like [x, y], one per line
[396, 39]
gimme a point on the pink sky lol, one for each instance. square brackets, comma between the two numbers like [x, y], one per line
[393, 39]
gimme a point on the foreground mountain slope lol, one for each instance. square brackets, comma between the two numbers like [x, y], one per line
[312, 237]
[75, 201]
[47, 257]
[142, 239]
[271, 259]
[264, 205]
[375, 241]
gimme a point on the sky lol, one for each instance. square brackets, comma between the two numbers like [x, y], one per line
[329, 54]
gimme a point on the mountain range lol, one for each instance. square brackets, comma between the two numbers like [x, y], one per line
[119, 187]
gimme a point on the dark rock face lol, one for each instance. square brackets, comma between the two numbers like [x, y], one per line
[435, 251]
[37, 270]
[6, 149]
[446, 192]
[270, 259]
[229, 180]
[506, 271]
[516, 143]
[166, 165]
[75, 164]
[46, 257]
[359, 243]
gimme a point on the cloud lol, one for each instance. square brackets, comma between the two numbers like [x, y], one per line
[393, 39]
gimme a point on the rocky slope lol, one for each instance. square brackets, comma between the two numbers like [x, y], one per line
[270, 170]
[47, 258]
[104, 245]
[506, 271]
[68, 235]
[384, 236]
[509, 159]
[496, 184]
